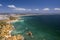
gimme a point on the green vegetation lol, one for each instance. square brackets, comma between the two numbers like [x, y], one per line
[12, 18]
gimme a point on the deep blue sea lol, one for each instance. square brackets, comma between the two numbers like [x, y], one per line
[43, 27]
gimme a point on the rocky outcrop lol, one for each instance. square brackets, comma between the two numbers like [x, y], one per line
[5, 32]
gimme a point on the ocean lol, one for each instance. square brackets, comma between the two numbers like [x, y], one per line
[43, 27]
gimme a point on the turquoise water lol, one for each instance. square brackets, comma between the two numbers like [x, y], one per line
[43, 27]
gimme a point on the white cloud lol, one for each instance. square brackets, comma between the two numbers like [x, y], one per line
[0, 4]
[11, 6]
[46, 9]
[28, 9]
[56, 8]
[37, 9]
[16, 8]
[20, 9]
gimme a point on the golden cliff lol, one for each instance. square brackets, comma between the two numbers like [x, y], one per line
[6, 29]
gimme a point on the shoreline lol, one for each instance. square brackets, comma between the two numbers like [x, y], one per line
[12, 21]
[8, 28]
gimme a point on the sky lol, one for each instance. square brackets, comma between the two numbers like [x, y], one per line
[32, 6]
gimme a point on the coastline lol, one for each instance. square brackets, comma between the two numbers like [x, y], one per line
[9, 27]
[12, 21]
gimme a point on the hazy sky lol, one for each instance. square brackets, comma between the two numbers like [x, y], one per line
[44, 6]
